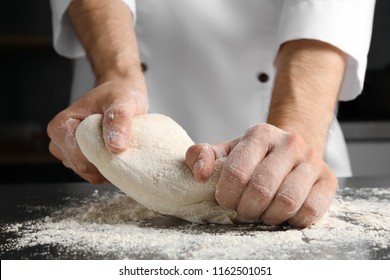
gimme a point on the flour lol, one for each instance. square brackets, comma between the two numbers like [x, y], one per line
[112, 226]
[117, 209]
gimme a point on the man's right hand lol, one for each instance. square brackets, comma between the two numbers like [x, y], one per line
[118, 101]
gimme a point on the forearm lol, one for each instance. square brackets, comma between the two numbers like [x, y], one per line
[307, 84]
[105, 28]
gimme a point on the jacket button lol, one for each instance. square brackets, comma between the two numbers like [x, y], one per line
[144, 67]
[263, 77]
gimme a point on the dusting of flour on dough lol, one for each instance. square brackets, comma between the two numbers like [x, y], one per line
[153, 170]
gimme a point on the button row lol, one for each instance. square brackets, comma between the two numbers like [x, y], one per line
[262, 77]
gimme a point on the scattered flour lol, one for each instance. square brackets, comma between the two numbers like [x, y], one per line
[113, 226]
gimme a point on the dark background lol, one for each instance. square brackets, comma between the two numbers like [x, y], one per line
[374, 103]
[35, 85]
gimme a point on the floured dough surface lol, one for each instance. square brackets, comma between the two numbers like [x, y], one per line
[153, 170]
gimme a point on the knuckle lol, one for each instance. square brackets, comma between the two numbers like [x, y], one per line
[293, 141]
[238, 176]
[255, 129]
[261, 193]
[311, 212]
[313, 159]
[62, 127]
[259, 131]
[57, 123]
[311, 156]
[307, 169]
[82, 168]
[287, 204]
[119, 110]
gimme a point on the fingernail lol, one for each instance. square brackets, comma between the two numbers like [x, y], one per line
[198, 166]
[116, 139]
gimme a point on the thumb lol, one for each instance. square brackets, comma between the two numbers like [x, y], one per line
[117, 125]
[201, 157]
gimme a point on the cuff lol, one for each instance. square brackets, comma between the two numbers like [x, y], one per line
[345, 24]
[65, 40]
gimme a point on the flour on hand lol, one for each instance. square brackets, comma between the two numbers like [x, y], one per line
[153, 170]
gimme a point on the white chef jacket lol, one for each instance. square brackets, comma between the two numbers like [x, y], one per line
[204, 58]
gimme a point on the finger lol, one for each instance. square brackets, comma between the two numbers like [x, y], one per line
[291, 194]
[223, 149]
[67, 150]
[117, 127]
[239, 168]
[95, 178]
[200, 158]
[91, 174]
[55, 151]
[264, 184]
[63, 141]
[317, 202]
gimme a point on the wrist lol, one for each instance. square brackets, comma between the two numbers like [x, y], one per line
[314, 132]
[131, 74]
[307, 83]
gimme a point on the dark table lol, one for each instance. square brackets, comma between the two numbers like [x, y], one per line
[42, 221]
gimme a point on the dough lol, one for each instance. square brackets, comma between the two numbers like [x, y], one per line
[153, 170]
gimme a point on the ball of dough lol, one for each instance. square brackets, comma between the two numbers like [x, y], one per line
[153, 170]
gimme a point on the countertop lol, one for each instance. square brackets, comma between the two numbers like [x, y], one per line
[83, 221]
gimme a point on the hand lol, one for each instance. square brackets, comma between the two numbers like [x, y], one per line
[118, 102]
[269, 174]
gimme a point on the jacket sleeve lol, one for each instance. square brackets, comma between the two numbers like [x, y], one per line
[65, 40]
[345, 24]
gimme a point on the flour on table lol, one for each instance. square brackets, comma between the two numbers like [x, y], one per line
[110, 225]
[153, 170]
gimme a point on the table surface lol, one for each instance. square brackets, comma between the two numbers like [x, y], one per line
[64, 221]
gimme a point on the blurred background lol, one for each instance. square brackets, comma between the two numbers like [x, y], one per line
[35, 85]
[366, 120]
